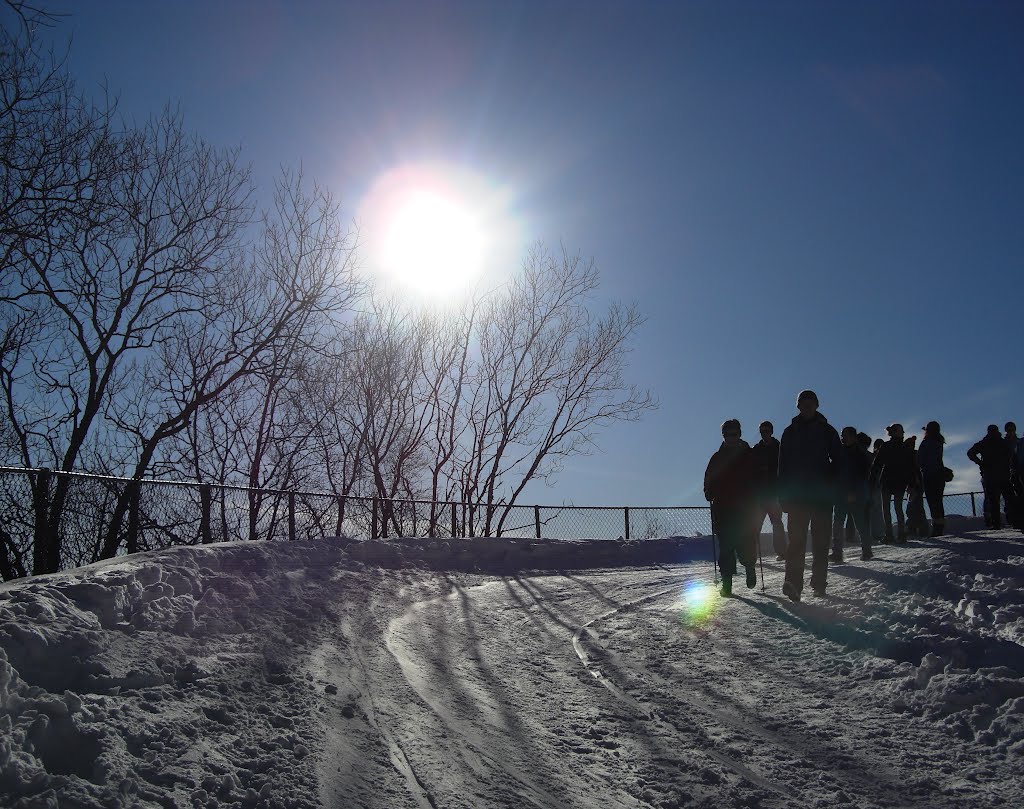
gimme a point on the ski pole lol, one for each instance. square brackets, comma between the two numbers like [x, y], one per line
[714, 546]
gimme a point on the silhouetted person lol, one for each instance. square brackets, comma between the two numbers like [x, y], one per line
[877, 521]
[809, 453]
[917, 521]
[865, 442]
[729, 487]
[852, 494]
[1014, 495]
[993, 456]
[933, 474]
[893, 469]
[766, 475]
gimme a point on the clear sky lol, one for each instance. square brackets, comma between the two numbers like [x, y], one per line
[796, 194]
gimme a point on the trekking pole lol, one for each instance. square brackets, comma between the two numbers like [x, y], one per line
[714, 546]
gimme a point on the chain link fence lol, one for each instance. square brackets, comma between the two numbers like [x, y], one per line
[104, 516]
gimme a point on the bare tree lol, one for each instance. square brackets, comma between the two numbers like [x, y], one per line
[107, 239]
[253, 325]
[549, 373]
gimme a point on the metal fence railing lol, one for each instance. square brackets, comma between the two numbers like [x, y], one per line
[80, 518]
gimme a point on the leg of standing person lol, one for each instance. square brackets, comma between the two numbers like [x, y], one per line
[887, 516]
[821, 536]
[778, 529]
[993, 501]
[746, 554]
[796, 551]
[859, 512]
[933, 494]
[898, 496]
[727, 558]
[838, 531]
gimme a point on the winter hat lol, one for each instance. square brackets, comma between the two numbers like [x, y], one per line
[931, 428]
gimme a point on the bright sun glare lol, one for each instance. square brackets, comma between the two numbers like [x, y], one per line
[432, 231]
[433, 243]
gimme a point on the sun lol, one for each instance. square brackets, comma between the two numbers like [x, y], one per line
[432, 231]
[433, 243]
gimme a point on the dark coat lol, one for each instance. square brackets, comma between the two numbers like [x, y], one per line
[765, 460]
[895, 465]
[853, 473]
[810, 455]
[929, 458]
[729, 478]
[994, 460]
[729, 487]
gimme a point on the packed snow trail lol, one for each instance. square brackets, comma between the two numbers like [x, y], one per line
[305, 675]
[602, 689]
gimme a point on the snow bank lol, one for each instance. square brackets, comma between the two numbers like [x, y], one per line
[175, 679]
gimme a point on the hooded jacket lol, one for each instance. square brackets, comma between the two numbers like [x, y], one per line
[810, 456]
[995, 457]
[895, 464]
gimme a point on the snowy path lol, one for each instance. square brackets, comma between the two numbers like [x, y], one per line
[295, 676]
[599, 689]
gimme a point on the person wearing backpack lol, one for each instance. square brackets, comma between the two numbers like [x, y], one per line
[992, 455]
[933, 474]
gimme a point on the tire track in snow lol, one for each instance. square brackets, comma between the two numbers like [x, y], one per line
[588, 649]
[481, 764]
[875, 780]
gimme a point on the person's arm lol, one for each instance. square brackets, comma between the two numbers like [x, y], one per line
[972, 453]
[709, 481]
[875, 472]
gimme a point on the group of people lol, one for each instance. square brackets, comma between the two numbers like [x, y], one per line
[834, 484]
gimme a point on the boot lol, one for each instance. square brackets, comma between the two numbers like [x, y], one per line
[938, 528]
[751, 577]
[726, 587]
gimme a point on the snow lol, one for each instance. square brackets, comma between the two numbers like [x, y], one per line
[418, 673]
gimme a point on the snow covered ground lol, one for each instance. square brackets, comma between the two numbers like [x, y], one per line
[419, 674]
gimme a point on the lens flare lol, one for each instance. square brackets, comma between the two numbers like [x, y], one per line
[698, 603]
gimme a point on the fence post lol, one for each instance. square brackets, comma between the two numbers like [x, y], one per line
[373, 518]
[134, 490]
[341, 514]
[455, 520]
[536, 519]
[41, 544]
[974, 506]
[291, 516]
[205, 508]
[626, 509]
[415, 533]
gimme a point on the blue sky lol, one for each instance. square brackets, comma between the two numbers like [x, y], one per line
[820, 194]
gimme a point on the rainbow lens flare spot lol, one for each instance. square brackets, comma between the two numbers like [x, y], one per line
[698, 602]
